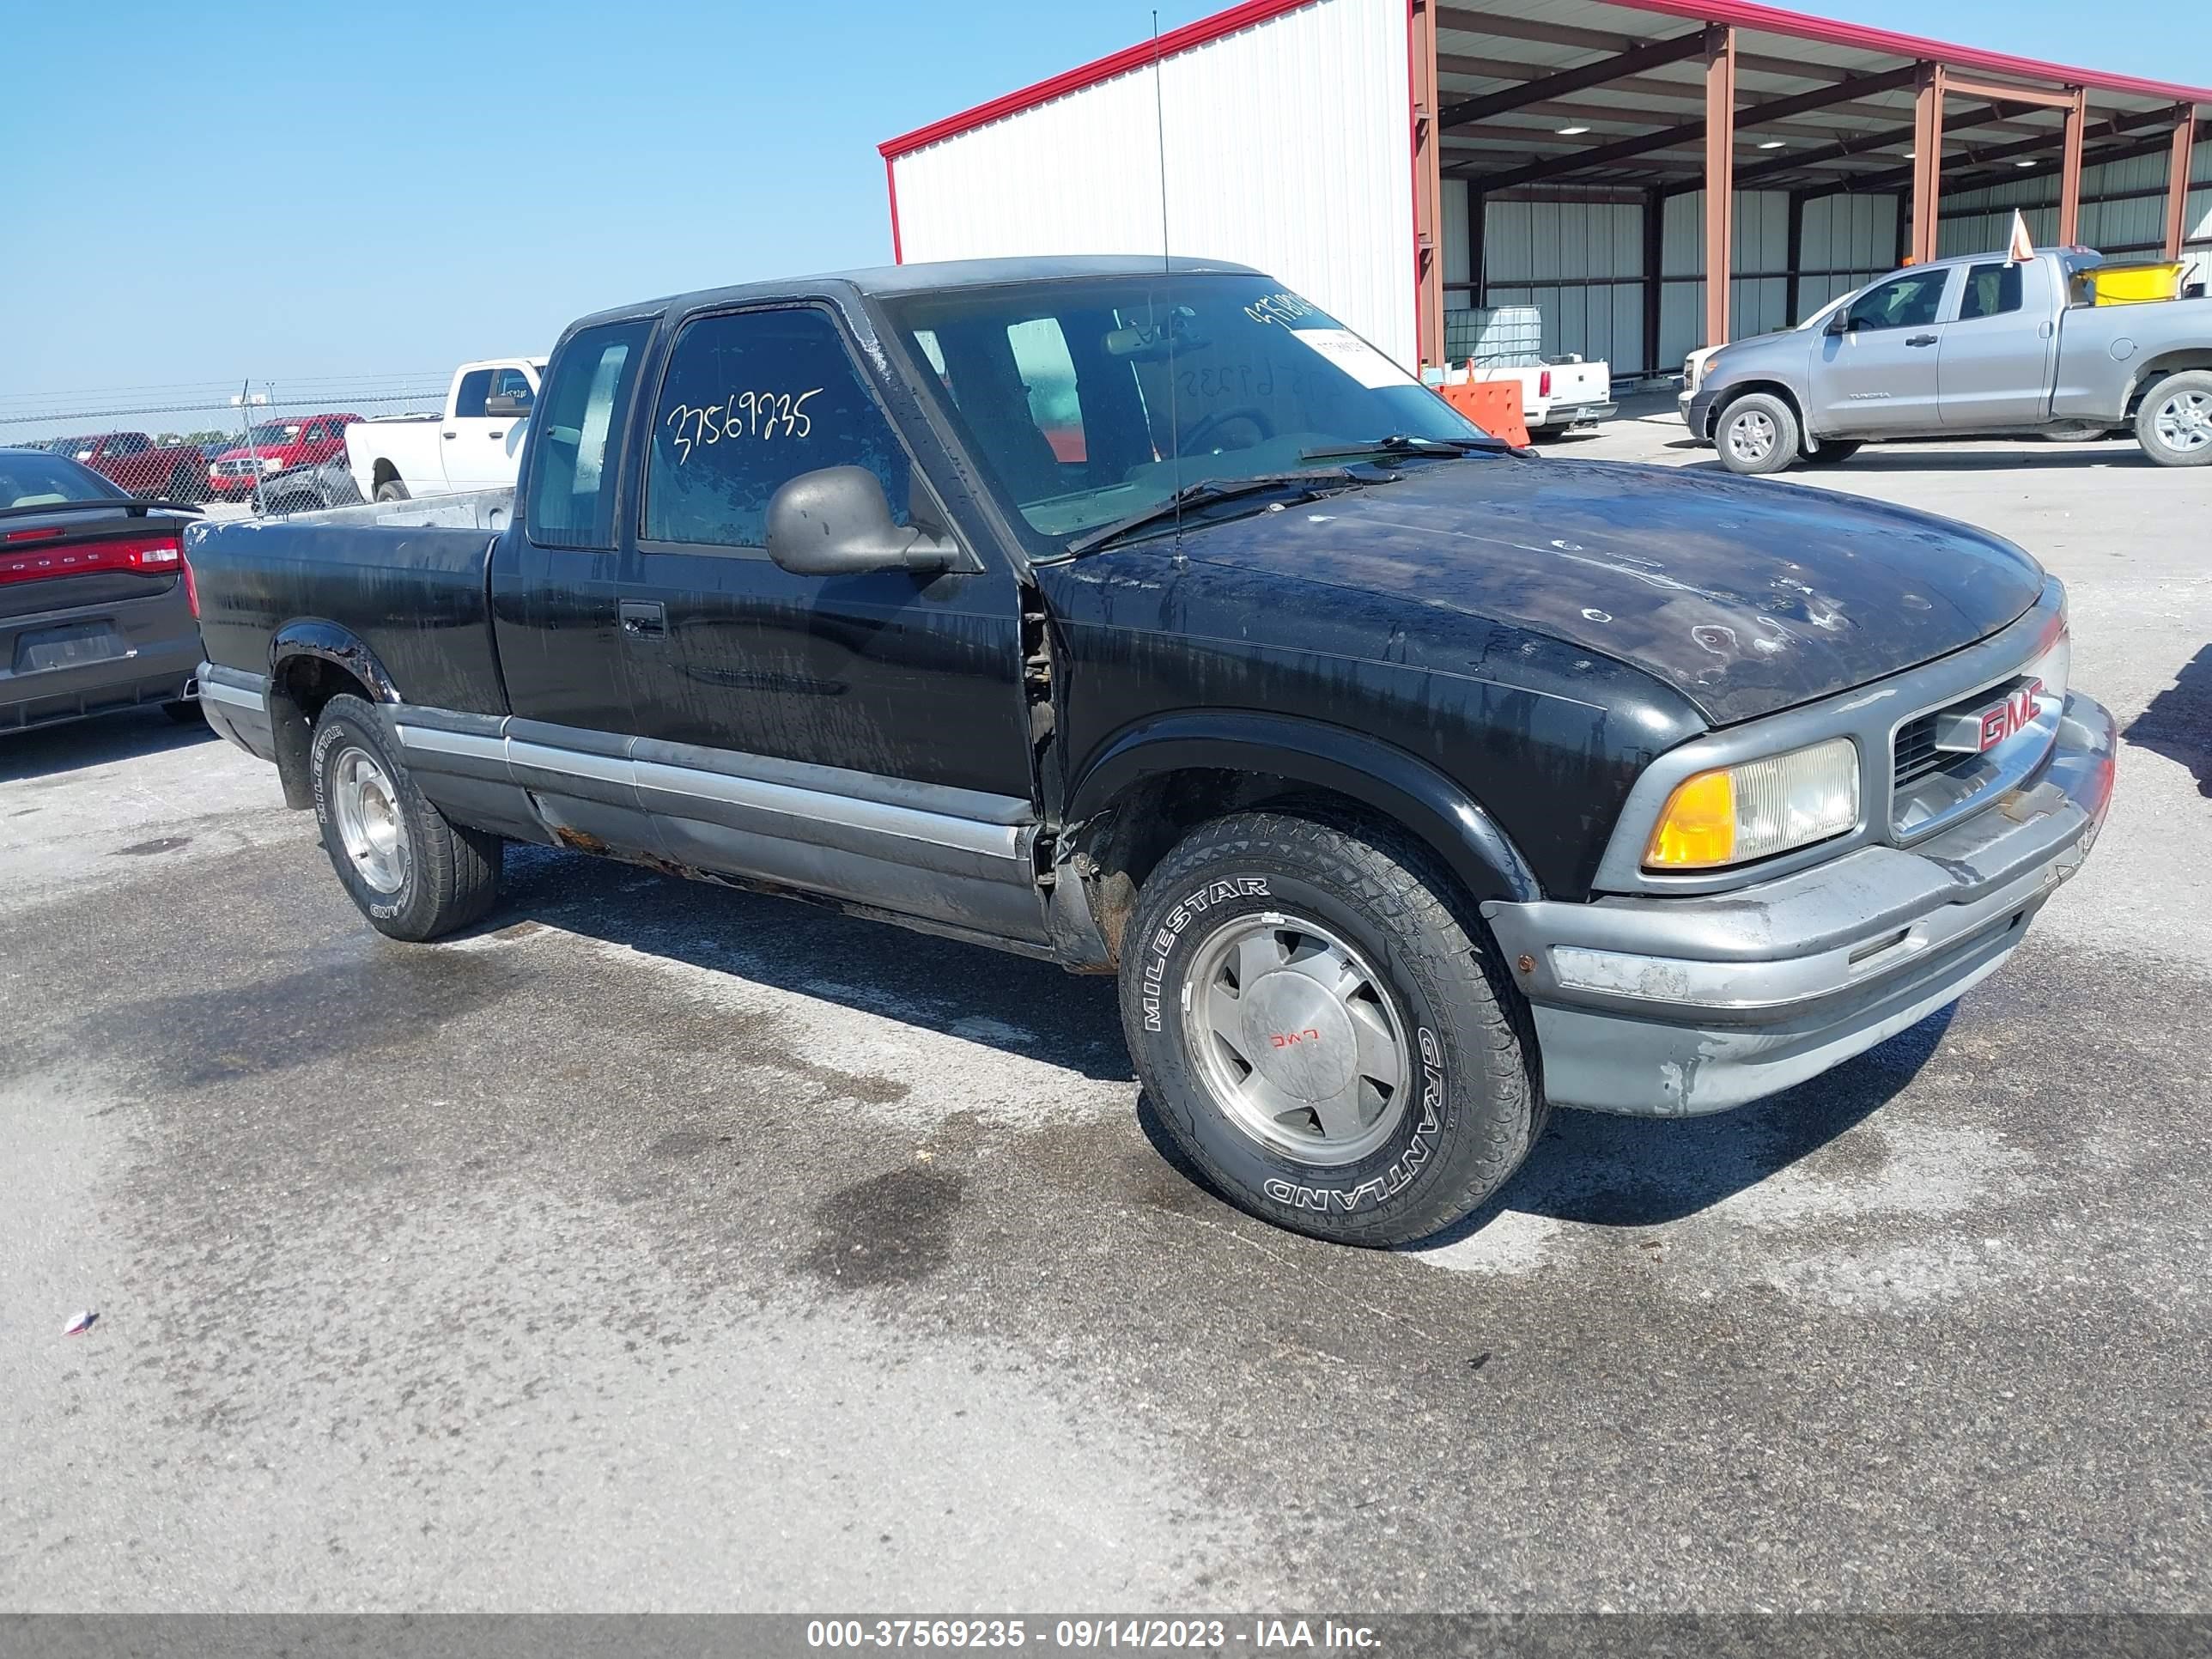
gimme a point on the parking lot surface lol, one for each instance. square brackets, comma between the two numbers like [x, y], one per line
[664, 1247]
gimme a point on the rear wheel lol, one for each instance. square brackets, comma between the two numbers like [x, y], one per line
[1757, 433]
[1834, 453]
[2174, 425]
[415, 874]
[392, 491]
[1324, 1029]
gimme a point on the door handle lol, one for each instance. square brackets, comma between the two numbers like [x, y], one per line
[643, 619]
[449, 434]
[1920, 339]
[497, 435]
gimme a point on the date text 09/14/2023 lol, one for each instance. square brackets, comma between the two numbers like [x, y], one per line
[1203, 1635]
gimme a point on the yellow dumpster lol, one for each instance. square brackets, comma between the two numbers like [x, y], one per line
[2130, 285]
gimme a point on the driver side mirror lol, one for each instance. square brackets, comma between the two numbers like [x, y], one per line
[1840, 323]
[836, 521]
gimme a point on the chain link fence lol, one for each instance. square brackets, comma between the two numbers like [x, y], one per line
[234, 448]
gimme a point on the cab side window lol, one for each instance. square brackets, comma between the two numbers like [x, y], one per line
[1907, 302]
[513, 384]
[572, 468]
[1992, 291]
[476, 386]
[751, 400]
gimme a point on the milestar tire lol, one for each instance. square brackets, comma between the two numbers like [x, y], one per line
[415, 874]
[1324, 1029]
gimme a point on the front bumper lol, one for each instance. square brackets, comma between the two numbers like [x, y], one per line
[1673, 1006]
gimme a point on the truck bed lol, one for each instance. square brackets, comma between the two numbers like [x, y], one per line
[410, 578]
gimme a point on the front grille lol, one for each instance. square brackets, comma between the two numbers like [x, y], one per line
[1916, 754]
[1932, 786]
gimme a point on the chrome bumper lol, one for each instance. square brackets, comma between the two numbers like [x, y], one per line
[1670, 1007]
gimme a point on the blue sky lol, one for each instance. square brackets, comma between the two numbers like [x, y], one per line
[207, 192]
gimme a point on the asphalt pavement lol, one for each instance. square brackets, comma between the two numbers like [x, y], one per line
[662, 1247]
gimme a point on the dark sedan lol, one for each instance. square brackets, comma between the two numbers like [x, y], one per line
[310, 488]
[96, 609]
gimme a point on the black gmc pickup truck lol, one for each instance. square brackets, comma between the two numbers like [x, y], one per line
[1148, 621]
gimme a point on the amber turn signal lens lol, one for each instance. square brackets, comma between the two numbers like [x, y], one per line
[1734, 814]
[1698, 828]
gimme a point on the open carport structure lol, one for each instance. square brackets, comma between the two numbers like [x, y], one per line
[1401, 164]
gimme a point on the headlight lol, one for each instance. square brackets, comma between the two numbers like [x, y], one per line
[213, 471]
[1733, 814]
[272, 464]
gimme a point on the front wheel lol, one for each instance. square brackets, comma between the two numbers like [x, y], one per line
[1324, 1029]
[1757, 435]
[415, 874]
[392, 491]
[2174, 425]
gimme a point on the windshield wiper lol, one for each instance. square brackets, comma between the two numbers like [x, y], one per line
[1405, 443]
[1301, 486]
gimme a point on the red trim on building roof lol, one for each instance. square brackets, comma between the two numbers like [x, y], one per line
[1743, 15]
[1090, 74]
[1772, 20]
[891, 178]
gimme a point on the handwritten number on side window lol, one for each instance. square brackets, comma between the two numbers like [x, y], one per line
[761, 415]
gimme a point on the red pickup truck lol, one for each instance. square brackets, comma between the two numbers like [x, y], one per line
[274, 445]
[175, 472]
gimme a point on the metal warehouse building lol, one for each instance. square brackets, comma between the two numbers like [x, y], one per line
[1401, 163]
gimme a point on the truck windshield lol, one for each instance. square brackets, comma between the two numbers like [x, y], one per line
[1089, 401]
[276, 432]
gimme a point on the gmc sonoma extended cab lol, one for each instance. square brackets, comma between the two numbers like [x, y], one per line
[1973, 346]
[1410, 785]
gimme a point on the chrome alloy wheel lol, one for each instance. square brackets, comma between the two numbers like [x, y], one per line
[1297, 1039]
[2184, 422]
[1751, 436]
[365, 806]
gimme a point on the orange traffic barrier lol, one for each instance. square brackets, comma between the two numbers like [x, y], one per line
[1493, 405]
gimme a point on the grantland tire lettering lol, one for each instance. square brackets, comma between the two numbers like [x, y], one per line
[325, 737]
[1399, 1175]
[1163, 940]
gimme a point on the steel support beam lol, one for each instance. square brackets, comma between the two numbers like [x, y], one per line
[2177, 179]
[1720, 180]
[1647, 57]
[2117, 126]
[2069, 170]
[1927, 161]
[1428, 190]
[1792, 288]
[1690, 132]
[1655, 254]
[1859, 144]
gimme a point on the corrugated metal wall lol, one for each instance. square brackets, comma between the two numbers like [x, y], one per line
[1246, 180]
[1581, 262]
[1979, 220]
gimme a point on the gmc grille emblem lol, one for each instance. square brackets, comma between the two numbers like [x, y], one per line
[1974, 731]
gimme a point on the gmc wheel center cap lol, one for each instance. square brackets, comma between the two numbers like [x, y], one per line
[1298, 1036]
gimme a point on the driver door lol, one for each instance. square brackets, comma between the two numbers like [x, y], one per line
[1881, 373]
[866, 736]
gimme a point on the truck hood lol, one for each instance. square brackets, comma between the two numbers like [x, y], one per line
[1745, 596]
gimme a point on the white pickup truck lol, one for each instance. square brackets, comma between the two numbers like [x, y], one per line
[471, 445]
[1559, 394]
